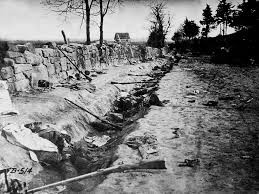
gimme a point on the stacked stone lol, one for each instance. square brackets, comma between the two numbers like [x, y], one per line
[24, 65]
[17, 67]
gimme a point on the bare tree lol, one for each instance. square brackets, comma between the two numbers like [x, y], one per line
[160, 25]
[106, 6]
[80, 8]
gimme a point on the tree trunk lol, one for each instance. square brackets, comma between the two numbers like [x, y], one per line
[101, 22]
[87, 22]
[88, 39]
[226, 28]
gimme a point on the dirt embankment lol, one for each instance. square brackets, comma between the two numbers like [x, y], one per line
[49, 106]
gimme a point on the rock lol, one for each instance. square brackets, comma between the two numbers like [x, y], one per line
[48, 52]
[30, 47]
[57, 67]
[32, 58]
[12, 54]
[38, 51]
[18, 68]
[27, 74]
[50, 68]
[22, 85]
[19, 76]
[12, 47]
[41, 71]
[20, 60]
[8, 62]
[52, 45]
[21, 48]
[6, 72]
[63, 62]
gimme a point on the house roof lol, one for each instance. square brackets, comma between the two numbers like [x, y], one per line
[122, 36]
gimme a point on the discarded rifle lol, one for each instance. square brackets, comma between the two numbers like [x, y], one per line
[156, 164]
[142, 82]
[107, 122]
[87, 77]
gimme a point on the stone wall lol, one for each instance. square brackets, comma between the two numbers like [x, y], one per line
[23, 65]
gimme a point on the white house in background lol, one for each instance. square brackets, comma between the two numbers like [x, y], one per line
[122, 37]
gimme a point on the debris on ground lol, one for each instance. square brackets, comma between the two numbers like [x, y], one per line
[146, 144]
[210, 103]
[97, 141]
[189, 163]
[78, 85]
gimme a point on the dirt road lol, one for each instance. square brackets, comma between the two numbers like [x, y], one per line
[224, 138]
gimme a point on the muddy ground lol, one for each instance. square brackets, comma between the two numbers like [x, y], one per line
[222, 136]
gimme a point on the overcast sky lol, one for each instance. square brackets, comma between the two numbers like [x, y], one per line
[30, 20]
